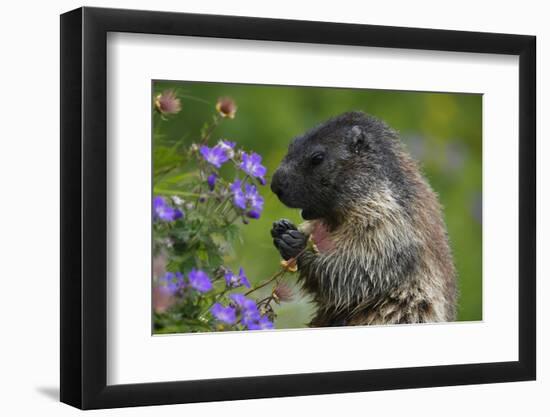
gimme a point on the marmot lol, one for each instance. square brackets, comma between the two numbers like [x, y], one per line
[381, 252]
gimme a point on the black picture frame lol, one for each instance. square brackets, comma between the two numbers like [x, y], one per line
[84, 207]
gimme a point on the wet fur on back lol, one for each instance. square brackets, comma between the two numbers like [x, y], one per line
[389, 259]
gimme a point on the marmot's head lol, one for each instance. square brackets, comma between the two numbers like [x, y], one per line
[332, 167]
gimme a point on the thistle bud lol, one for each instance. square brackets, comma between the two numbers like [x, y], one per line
[282, 293]
[226, 107]
[167, 103]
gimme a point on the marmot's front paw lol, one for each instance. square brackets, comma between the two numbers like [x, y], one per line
[281, 226]
[287, 239]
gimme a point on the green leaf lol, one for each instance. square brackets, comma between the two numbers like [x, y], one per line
[231, 232]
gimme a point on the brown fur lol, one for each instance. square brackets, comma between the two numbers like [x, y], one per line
[368, 235]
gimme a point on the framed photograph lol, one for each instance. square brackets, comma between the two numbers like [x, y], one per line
[258, 208]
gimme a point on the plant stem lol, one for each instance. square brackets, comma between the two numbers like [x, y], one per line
[195, 98]
[210, 130]
[276, 275]
[266, 282]
[216, 299]
[224, 201]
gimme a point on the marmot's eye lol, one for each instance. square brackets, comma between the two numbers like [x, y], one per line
[317, 158]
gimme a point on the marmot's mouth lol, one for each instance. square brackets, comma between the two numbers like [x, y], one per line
[321, 237]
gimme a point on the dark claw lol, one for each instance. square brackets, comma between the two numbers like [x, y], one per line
[291, 240]
[281, 226]
[284, 249]
[296, 234]
[286, 223]
[287, 239]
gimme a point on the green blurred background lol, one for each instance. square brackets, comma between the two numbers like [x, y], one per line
[443, 131]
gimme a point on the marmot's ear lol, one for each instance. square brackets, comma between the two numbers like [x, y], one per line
[356, 139]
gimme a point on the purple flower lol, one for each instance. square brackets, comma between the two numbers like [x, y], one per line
[171, 282]
[225, 314]
[238, 195]
[212, 181]
[250, 318]
[228, 147]
[163, 211]
[199, 280]
[249, 200]
[255, 201]
[252, 165]
[215, 156]
[250, 315]
[238, 299]
[234, 281]
[219, 154]
[262, 324]
[243, 303]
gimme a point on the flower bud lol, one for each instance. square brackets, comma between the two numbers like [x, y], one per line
[290, 265]
[212, 181]
[167, 103]
[282, 293]
[178, 201]
[226, 107]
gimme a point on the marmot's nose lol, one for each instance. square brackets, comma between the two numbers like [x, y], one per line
[278, 183]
